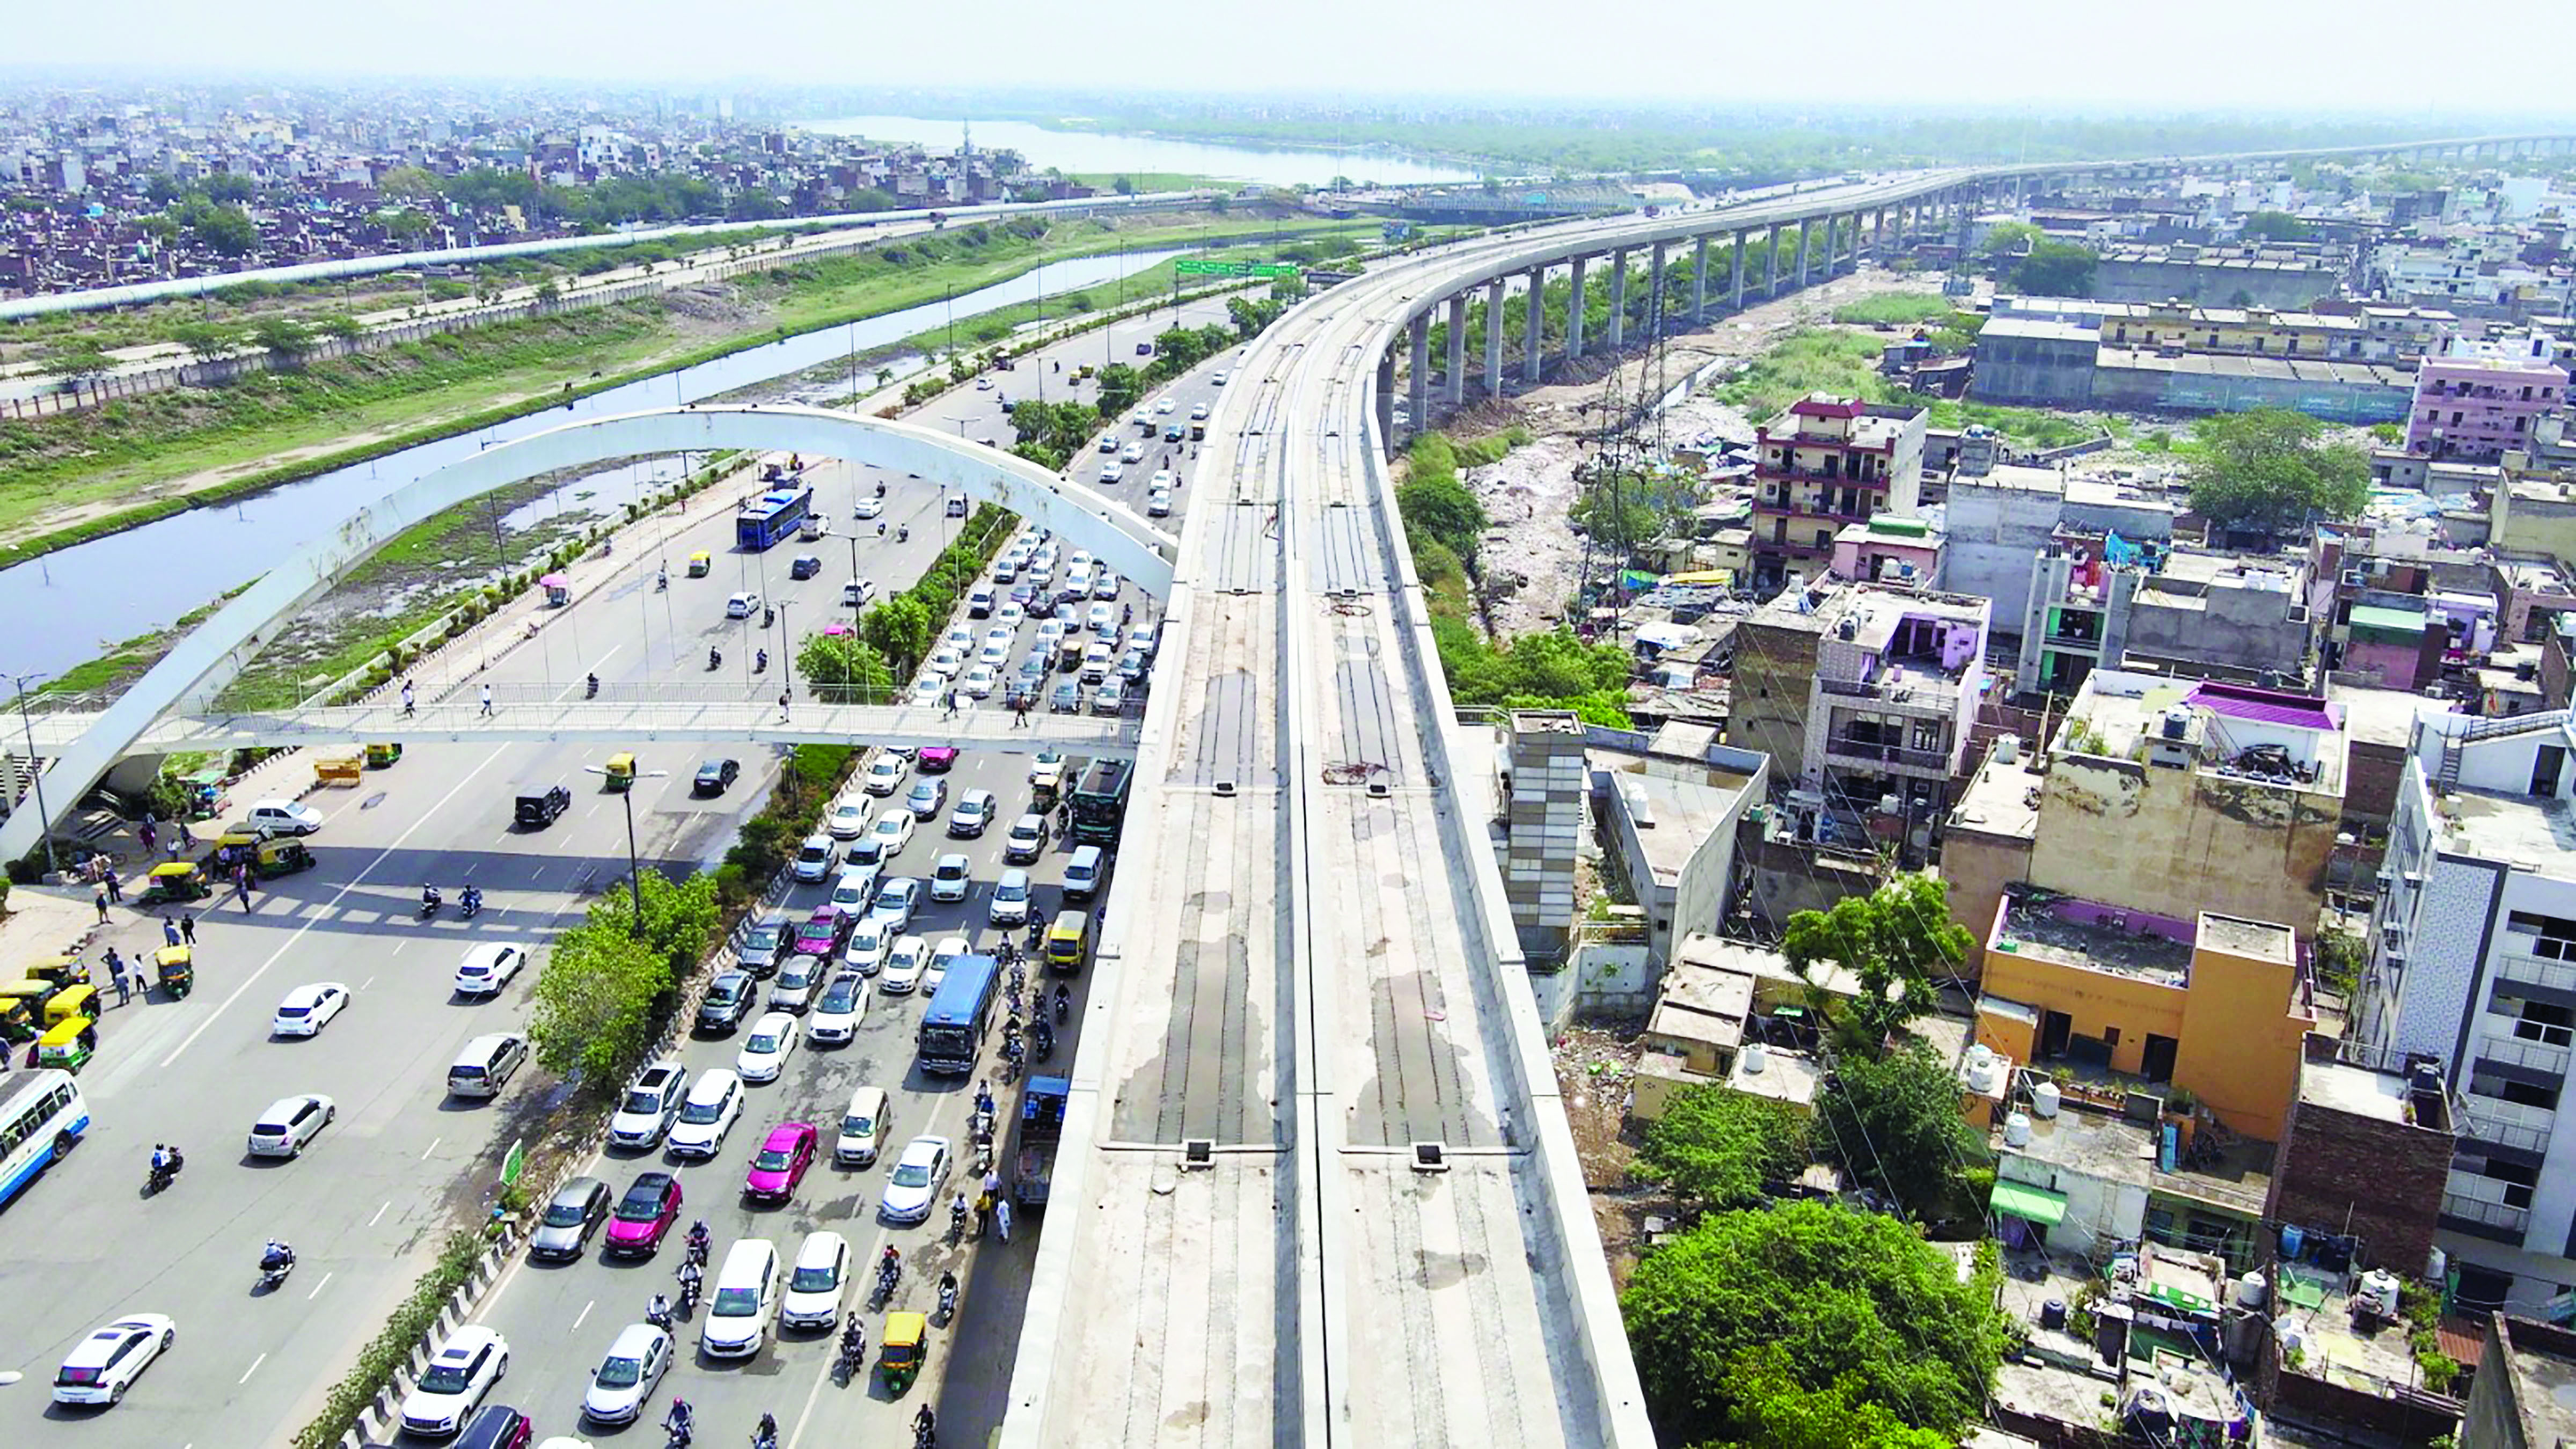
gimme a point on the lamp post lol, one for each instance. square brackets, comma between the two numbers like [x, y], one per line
[634, 862]
[786, 658]
[44, 818]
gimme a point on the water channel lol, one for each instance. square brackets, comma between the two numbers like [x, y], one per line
[1087, 153]
[74, 605]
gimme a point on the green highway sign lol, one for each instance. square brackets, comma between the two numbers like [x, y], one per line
[514, 1162]
[1203, 267]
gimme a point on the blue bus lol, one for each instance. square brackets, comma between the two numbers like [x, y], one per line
[41, 1115]
[771, 517]
[952, 1031]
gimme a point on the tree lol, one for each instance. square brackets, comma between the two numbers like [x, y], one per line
[1443, 510]
[203, 339]
[844, 669]
[224, 230]
[227, 186]
[2276, 226]
[1722, 1146]
[407, 183]
[340, 325]
[1119, 389]
[78, 361]
[2055, 269]
[1895, 940]
[1809, 1313]
[2009, 238]
[281, 336]
[2270, 468]
[593, 1015]
[1893, 1122]
[899, 629]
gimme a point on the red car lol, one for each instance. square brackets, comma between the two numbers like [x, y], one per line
[936, 759]
[780, 1163]
[644, 1215]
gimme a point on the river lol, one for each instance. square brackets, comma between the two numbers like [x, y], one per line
[1084, 153]
[140, 580]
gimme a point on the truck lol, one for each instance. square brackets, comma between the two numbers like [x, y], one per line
[1041, 1129]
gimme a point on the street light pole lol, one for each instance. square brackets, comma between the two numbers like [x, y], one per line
[786, 659]
[44, 818]
[634, 858]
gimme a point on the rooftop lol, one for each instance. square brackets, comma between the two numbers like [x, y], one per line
[1767, 968]
[1782, 1076]
[2543, 1383]
[2001, 799]
[2094, 936]
[1703, 1005]
[2358, 1091]
[2287, 740]
[1674, 817]
[2521, 830]
[2106, 1149]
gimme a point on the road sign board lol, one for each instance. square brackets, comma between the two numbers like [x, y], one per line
[1208, 267]
[514, 1163]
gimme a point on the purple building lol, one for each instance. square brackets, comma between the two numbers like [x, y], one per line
[2480, 399]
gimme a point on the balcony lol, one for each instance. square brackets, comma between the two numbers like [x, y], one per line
[2508, 1124]
[2518, 1043]
[2485, 1219]
[1873, 754]
[2538, 960]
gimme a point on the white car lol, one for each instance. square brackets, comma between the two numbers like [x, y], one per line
[1105, 586]
[839, 1010]
[459, 1375]
[1162, 479]
[885, 775]
[1198, 412]
[101, 1367]
[816, 858]
[951, 878]
[998, 634]
[1158, 504]
[1109, 442]
[284, 817]
[1218, 379]
[708, 1115]
[891, 833]
[626, 1378]
[979, 682]
[742, 606]
[1079, 561]
[1112, 472]
[1132, 453]
[1164, 404]
[290, 1123]
[1010, 614]
[308, 1009]
[904, 965]
[897, 899]
[793, 989]
[1049, 631]
[915, 1182]
[959, 637]
[929, 689]
[991, 656]
[651, 1103]
[813, 1298]
[855, 888]
[1101, 620]
[849, 818]
[1141, 639]
[942, 957]
[1011, 899]
[869, 506]
[764, 1053]
[871, 940]
[488, 968]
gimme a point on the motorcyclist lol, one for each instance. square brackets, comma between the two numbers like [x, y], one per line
[277, 1255]
[592, 682]
[881, 488]
[430, 899]
[715, 658]
[1063, 1001]
[661, 579]
[691, 1277]
[473, 898]
[957, 1213]
[767, 1433]
[681, 1421]
[658, 1312]
[698, 1241]
[903, 534]
[948, 1288]
[925, 1423]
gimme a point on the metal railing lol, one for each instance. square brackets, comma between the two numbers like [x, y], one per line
[1873, 753]
[2490, 1214]
[2508, 1124]
[2536, 969]
[2503, 1040]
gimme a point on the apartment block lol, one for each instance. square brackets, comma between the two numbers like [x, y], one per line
[2479, 401]
[1897, 681]
[1826, 463]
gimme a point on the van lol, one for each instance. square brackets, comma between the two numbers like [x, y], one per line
[863, 1128]
[1068, 941]
[1082, 873]
[957, 505]
[740, 1299]
[858, 593]
[486, 1065]
[979, 602]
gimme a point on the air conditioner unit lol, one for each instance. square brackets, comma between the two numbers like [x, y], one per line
[2395, 958]
[2392, 937]
[2353, 577]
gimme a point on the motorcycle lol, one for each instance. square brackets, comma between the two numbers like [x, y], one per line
[983, 1126]
[157, 1178]
[658, 1313]
[769, 618]
[889, 1273]
[880, 489]
[430, 901]
[1063, 1003]
[956, 1220]
[679, 1424]
[697, 1243]
[947, 1297]
[715, 659]
[661, 580]
[273, 1268]
[688, 1297]
[854, 1352]
[471, 904]
[903, 535]
[1043, 1040]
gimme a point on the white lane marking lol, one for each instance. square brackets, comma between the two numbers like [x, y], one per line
[254, 1368]
[318, 1287]
[585, 1314]
[432, 1147]
[380, 1213]
[317, 916]
[369, 982]
[398, 946]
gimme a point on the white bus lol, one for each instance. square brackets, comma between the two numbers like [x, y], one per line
[41, 1115]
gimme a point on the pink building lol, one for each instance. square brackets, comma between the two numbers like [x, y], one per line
[2481, 399]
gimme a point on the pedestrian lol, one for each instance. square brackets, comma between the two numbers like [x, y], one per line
[169, 932]
[177, 843]
[101, 902]
[124, 992]
[406, 698]
[782, 706]
[1002, 1218]
[188, 929]
[992, 1182]
[487, 701]
[145, 834]
[115, 888]
[948, 703]
[983, 1212]
[241, 887]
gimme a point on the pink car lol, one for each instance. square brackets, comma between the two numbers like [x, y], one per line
[644, 1215]
[937, 758]
[780, 1163]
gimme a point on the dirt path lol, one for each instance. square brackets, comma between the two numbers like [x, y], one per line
[1528, 493]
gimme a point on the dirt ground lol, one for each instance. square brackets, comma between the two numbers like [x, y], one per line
[1529, 492]
[1594, 1062]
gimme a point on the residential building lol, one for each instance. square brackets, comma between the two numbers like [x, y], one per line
[2479, 401]
[1671, 825]
[2473, 967]
[1905, 552]
[2365, 1155]
[1717, 996]
[1897, 682]
[2523, 1395]
[2097, 600]
[1825, 463]
[2234, 276]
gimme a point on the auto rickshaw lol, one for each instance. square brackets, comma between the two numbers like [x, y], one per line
[31, 993]
[619, 772]
[180, 880]
[701, 564]
[17, 1023]
[178, 967]
[380, 755]
[205, 793]
[281, 857]
[67, 1046]
[907, 1340]
[72, 1002]
[60, 970]
[231, 849]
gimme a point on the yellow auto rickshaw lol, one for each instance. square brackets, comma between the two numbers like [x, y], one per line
[30, 993]
[67, 1046]
[620, 772]
[72, 1002]
[701, 564]
[1068, 941]
[907, 1343]
[231, 849]
[60, 970]
[281, 857]
[178, 969]
[381, 755]
[17, 1023]
[180, 880]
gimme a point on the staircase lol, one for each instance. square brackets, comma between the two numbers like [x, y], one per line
[2447, 777]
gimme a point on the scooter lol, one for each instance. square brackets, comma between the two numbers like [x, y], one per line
[661, 580]
[769, 617]
[956, 1220]
[889, 1273]
[715, 659]
[1043, 1040]
[471, 904]
[273, 1268]
[157, 1178]
[430, 901]
[697, 1244]
[688, 1297]
[947, 1297]
[1063, 1003]
[760, 662]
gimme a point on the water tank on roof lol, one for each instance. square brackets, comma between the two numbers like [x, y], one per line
[2007, 749]
[1755, 1058]
[1983, 1071]
[2043, 1100]
[1848, 628]
[2250, 1290]
[2017, 1130]
[2177, 723]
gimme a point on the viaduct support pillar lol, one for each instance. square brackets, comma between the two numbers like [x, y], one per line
[1386, 401]
[1655, 293]
[1771, 260]
[1574, 313]
[1743, 239]
[1806, 229]
[1494, 339]
[1533, 343]
[1418, 385]
[1618, 299]
[1457, 349]
[1699, 282]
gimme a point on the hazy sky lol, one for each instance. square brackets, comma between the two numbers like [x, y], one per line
[2268, 55]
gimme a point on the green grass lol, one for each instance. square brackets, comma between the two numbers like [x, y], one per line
[1811, 359]
[2033, 427]
[1901, 309]
[1148, 181]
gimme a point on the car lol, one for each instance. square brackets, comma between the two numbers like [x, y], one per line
[766, 1047]
[742, 605]
[851, 893]
[1218, 379]
[289, 1124]
[308, 1009]
[937, 759]
[1174, 433]
[980, 681]
[913, 1187]
[626, 1377]
[897, 899]
[951, 878]
[644, 1216]
[485, 1065]
[728, 997]
[979, 602]
[716, 776]
[942, 956]
[539, 805]
[1110, 697]
[818, 934]
[462, 1371]
[999, 634]
[652, 1100]
[849, 817]
[1161, 480]
[858, 593]
[983, 384]
[1033, 670]
[839, 1010]
[1005, 570]
[780, 1163]
[1164, 404]
[1101, 620]
[575, 1212]
[1105, 587]
[1112, 472]
[1109, 442]
[1132, 453]
[868, 506]
[816, 858]
[762, 941]
[1132, 665]
[864, 1125]
[892, 832]
[942, 665]
[102, 1366]
[284, 817]
[743, 1294]
[1095, 663]
[1144, 349]
[927, 798]
[1049, 631]
[992, 656]
[1025, 840]
[1198, 412]
[488, 968]
[959, 637]
[804, 566]
[929, 689]
[1041, 571]
[904, 965]
[707, 1115]
[813, 1298]
[870, 940]
[1141, 639]
[1013, 898]
[1158, 504]
[1067, 698]
[794, 987]
[885, 775]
